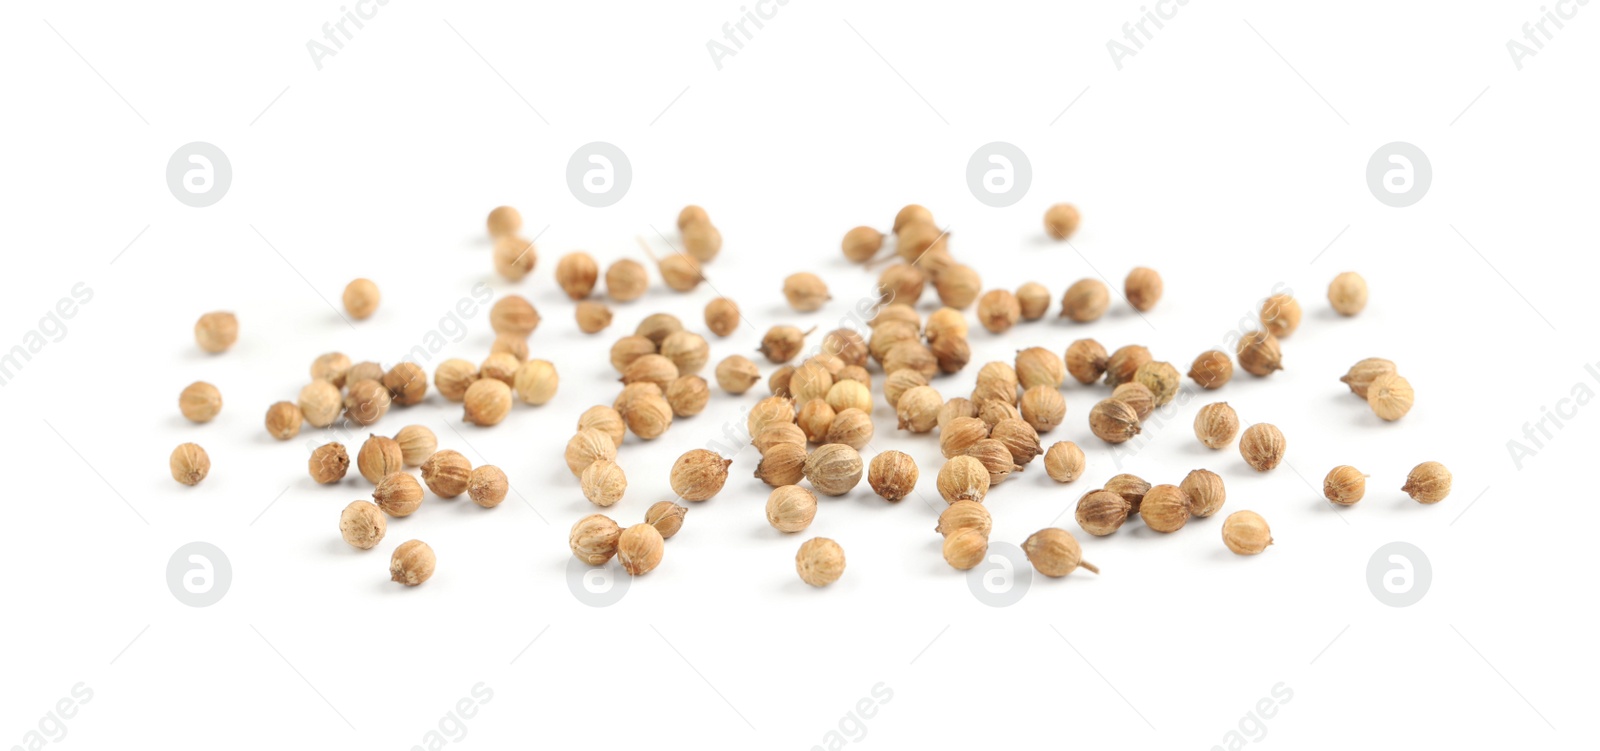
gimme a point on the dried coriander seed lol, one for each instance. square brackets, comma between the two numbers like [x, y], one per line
[951, 353]
[398, 494]
[913, 356]
[682, 272]
[629, 349]
[378, 457]
[782, 464]
[500, 366]
[1113, 421]
[1280, 315]
[361, 298]
[1086, 300]
[504, 220]
[890, 334]
[362, 524]
[593, 317]
[845, 395]
[959, 406]
[412, 563]
[736, 374]
[536, 381]
[1037, 366]
[1043, 408]
[819, 562]
[1142, 288]
[407, 383]
[513, 314]
[626, 280]
[958, 286]
[692, 215]
[965, 549]
[656, 369]
[189, 464]
[1019, 437]
[782, 343]
[1428, 483]
[1102, 512]
[1061, 220]
[846, 344]
[487, 486]
[806, 292]
[768, 411]
[416, 443]
[576, 273]
[1034, 300]
[783, 432]
[810, 381]
[963, 478]
[645, 409]
[1262, 446]
[200, 402]
[1131, 488]
[892, 475]
[833, 469]
[791, 508]
[452, 378]
[944, 322]
[216, 332]
[1161, 378]
[722, 316]
[998, 311]
[914, 240]
[851, 427]
[861, 244]
[1055, 552]
[918, 409]
[1362, 374]
[447, 473]
[992, 411]
[1347, 293]
[995, 458]
[603, 483]
[1086, 360]
[901, 283]
[331, 367]
[321, 402]
[699, 474]
[328, 463]
[364, 371]
[366, 402]
[1206, 492]
[487, 402]
[594, 538]
[1165, 508]
[586, 447]
[1064, 461]
[283, 420]
[959, 434]
[896, 384]
[1212, 369]
[1246, 533]
[1136, 395]
[666, 517]
[514, 257]
[702, 241]
[1259, 354]
[639, 549]
[964, 515]
[687, 350]
[1390, 396]
[816, 419]
[1344, 485]
[1124, 364]
[688, 395]
[1216, 424]
[997, 381]
[912, 213]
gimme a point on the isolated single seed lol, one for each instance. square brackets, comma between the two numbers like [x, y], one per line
[639, 549]
[504, 220]
[699, 474]
[1344, 485]
[378, 457]
[666, 517]
[1037, 366]
[1161, 378]
[1216, 424]
[791, 508]
[1034, 300]
[361, 298]
[594, 538]
[892, 475]
[1390, 396]
[1086, 300]
[398, 494]
[513, 314]
[189, 463]
[1143, 288]
[861, 244]
[487, 486]
[328, 463]
[1136, 395]
[626, 280]
[1102, 512]
[362, 524]
[1347, 293]
[216, 332]
[447, 473]
[1428, 482]
[603, 483]
[964, 515]
[1055, 552]
[1061, 220]
[576, 273]
[1246, 533]
[963, 478]
[1259, 354]
[593, 317]
[1124, 364]
[1262, 446]
[1280, 315]
[586, 447]
[1212, 369]
[200, 402]
[819, 562]
[1086, 360]
[1113, 421]
[452, 378]
[1130, 487]
[1206, 492]
[1165, 508]
[412, 563]
[722, 316]
[283, 420]
[833, 469]
[806, 292]
[1064, 461]
[965, 549]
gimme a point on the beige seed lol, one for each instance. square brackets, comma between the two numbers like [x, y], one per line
[626, 280]
[833, 469]
[284, 420]
[593, 317]
[1055, 552]
[216, 332]
[1259, 354]
[487, 402]
[603, 483]
[736, 374]
[452, 378]
[594, 538]
[1344, 485]
[447, 473]
[1280, 315]
[536, 382]
[963, 478]
[189, 464]
[1136, 395]
[998, 311]
[806, 292]
[1131, 487]
[200, 402]
[1347, 293]
[1216, 424]
[1362, 374]
[366, 402]
[487, 486]
[1061, 220]
[1113, 421]
[1262, 446]
[1102, 512]
[782, 464]
[362, 524]
[892, 475]
[587, 447]
[791, 508]
[699, 474]
[412, 563]
[964, 515]
[1123, 365]
[1165, 508]
[861, 244]
[819, 562]
[1390, 396]
[688, 395]
[666, 517]
[1086, 300]
[1428, 483]
[361, 298]
[328, 463]
[1143, 288]
[722, 316]
[1206, 492]
[1246, 533]
[1212, 369]
[965, 549]
[605, 419]
[959, 434]
[852, 427]
[639, 549]
[1034, 300]
[1086, 360]
[576, 273]
[378, 457]
[1064, 462]
[398, 494]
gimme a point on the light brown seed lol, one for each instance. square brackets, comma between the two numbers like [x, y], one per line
[964, 515]
[626, 280]
[806, 292]
[594, 538]
[513, 314]
[900, 283]
[1055, 552]
[331, 367]
[768, 411]
[1206, 492]
[1212, 369]
[216, 332]
[1161, 378]
[593, 317]
[819, 562]
[833, 469]
[366, 402]
[576, 273]
[514, 257]
[1130, 487]
[995, 458]
[1136, 395]
[892, 475]
[1043, 408]
[918, 409]
[1216, 424]
[861, 244]
[688, 395]
[845, 395]
[782, 343]
[1390, 396]
[1344, 485]
[536, 382]
[1086, 360]
[1061, 220]
[398, 494]
[965, 549]
[200, 402]
[362, 524]
[958, 286]
[1124, 364]
[1246, 533]
[1428, 483]
[963, 478]
[1165, 508]
[703, 242]
[1086, 300]
[959, 434]
[1102, 512]
[1064, 461]
[1037, 366]
[1034, 299]
[504, 220]
[1259, 354]
[782, 464]
[1347, 293]
[407, 383]
[736, 374]
[639, 549]
[666, 517]
[452, 378]
[603, 483]
[699, 474]
[378, 457]
[487, 402]
[783, 432]
[328, 463]
[283, 420]
[1113, 421]
[998, 311]
[447, 473]
[851, 427]
[189, 464]
[605, 419]
[1262, 446]
[1362, 374]
[412, 563]
[722, 316]
[1143, 288]
[361, 298]
[1280, 315]
[487, 486]
[791, 508]
[586, 447]
[320, 402]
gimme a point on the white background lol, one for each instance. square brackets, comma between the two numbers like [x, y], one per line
[1207, 156]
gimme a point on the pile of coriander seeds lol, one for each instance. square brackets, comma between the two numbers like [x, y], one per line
[815, 418]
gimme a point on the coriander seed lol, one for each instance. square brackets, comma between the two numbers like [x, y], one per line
[639, 549]
[892, 475]
[1034, 300]
[320, 403]
[901, 283]
[702, 241]
[666, 517]
[364, 371]
[851, 427]
[1124, 364]
[687, 350]
[407, 383]
[656, 369]
[699, 474]
[896, 384]
[1212, 369]
[416, 443]
[1280, 315]
[898, 311]
[605, 419]
[593, 539]
[576, 274]
[628, 349]
[514, 257]
[593, 317]
[1054, 552]
[845, 395]
[681, 272]
[447, 473]
[647, 413]
[331, 367]
[916, 240]
[791, 508]
[912, 213]
[1390, 396]
[1064, 461]
[1086, 360]
[1362, 374]
[398, 494]
[1136, 395]
[1113, 421]
[958, 286]
[1086, 300]
[963, 478]
[200, 402]
[1131, 487]
[452, 378]
[487, 486]
[1161, 378]
[283, 420]
[1246, 533]
[504, 220]
[1019, 437]
[771, 410]
[959, 434]
[1061, 220]
[861, 244]
[535, 382]
[783, 432]
[998, 310]
[918, 409]
[328, 463]
[412, 563]
[951, 353]
[688, 395]
[361, 298]
[1142, 288]
[805, 292]
[1428, 483]
[810, 381]
[959, 406]
[603, 482]
[995, 458]
[366, 402]
[944, 322]
[1037, 366]
[216, 332]
[189, 464]
[846, 344]
[911, 355]
[782, 343]
[722, 316]
[992, 411]
[1347, 293]
[487, 402]
[691, 215]
[819, 562]
[1216, 424]
[833, 469]
[1043, 408]
[362, 524]
[378, 457]
[513, 314]
[965, 549]
[1206, 492]
[890, 334]
[782, 464]
[998, 381]
[1165, 508]
[500, 366]
[964, 515]
[1101, 512]
[626, 280]
[1344, 485]
[1259, 354]
[1262, 446]
[736, 374]
[816, 419]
